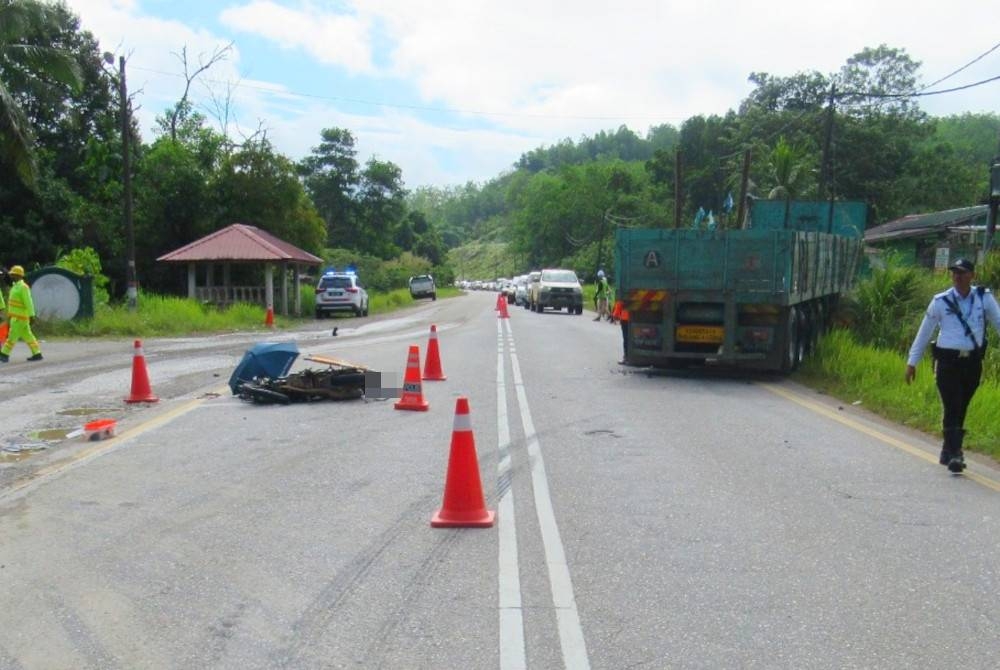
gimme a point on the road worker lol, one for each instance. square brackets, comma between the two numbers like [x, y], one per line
[960, 315]
[601, 295]
[19, 312]
[622, 315]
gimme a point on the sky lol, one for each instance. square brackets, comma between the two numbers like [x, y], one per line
[454, 91]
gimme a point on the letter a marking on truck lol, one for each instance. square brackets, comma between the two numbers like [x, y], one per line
[652, 259]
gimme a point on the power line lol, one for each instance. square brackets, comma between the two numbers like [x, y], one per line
[971, 62]
[423, 108]
[915, 94]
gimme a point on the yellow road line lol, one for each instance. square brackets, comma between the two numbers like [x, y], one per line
[877, 434]
[100, 448]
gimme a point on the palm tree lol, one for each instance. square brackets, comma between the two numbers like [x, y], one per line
[19, 20]
[791, 172]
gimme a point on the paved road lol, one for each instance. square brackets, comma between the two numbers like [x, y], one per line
[648, 520]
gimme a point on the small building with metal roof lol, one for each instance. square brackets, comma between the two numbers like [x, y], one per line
[242, 244]
[933, 239]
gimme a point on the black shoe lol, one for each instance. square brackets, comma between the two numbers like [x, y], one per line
[944, 458]
[4, 358]
[956, 465]
[35, 357]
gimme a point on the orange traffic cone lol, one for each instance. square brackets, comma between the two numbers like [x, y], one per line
[503, 310]
[497, 308]
[269, 317]
[4, 332]
[140, 379]
[432, 366]
[413, 396]
[463, 505]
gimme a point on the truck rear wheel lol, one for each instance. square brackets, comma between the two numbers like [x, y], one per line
[790, 351]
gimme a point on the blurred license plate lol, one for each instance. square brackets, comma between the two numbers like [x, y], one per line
[711, 334]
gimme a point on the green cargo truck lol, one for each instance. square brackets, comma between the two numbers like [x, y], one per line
[752, 298]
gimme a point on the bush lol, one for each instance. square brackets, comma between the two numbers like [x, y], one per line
[886, 307]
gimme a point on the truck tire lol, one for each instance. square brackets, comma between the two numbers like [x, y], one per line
[790, 345]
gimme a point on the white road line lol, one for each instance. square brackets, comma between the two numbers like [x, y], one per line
[512, 653]
[574, 647]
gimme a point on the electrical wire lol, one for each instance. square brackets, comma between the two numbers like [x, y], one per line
[421, 108]
[952, 74]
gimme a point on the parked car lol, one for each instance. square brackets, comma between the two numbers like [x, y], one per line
[521, 290]
[532, 286]
[340, 292]
[422, 286]
[558, 288]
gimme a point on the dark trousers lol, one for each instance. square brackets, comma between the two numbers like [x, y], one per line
[624, 338]
[957, 381]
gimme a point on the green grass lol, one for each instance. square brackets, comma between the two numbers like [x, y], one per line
[160, 316]
[852, 372]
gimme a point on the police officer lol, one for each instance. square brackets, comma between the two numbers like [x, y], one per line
[960, 315]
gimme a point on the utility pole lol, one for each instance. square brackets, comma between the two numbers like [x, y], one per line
[826, 175]
[744, 185]
[132, 289]
[600, 240]
[994, 204]
[678, 187]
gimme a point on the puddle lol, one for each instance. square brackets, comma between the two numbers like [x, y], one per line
[84, 411]
[14, 451]
[51, 434]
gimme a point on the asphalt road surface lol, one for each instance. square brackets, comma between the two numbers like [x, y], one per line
[643, 519]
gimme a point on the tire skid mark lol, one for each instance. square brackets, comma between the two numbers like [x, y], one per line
[83, 639]
[316, 618]
[416, 587]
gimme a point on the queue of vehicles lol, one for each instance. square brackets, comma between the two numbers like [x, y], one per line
[550, 288]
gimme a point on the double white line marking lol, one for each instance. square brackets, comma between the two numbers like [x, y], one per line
[512, 651]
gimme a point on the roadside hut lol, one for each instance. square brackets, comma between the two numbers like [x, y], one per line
[240, 245]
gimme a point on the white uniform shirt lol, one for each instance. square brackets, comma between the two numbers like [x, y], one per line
[975, 308]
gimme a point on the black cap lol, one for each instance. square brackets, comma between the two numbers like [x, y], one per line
[963, 265]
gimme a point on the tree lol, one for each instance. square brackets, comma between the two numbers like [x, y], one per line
[330, 175]
[790, 170]
[257, 186]
[24, 59]
[381, 206]
[879, 81]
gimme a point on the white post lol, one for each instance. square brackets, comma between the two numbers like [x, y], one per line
[284, 288]
[269, 286]
[298, 292]
[192, 280]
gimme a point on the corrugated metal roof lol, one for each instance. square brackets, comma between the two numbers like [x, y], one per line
[917, 225]
[240, 242]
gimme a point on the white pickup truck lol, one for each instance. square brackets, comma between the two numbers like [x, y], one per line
[422, 286]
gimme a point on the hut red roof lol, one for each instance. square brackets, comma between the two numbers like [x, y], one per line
[240, 242]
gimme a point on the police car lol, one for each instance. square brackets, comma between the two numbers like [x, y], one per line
[340, 292]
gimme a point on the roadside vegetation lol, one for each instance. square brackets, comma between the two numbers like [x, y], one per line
[165, 316]
[863, 360]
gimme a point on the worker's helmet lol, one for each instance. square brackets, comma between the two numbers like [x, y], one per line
[600, 274]
[16, 271]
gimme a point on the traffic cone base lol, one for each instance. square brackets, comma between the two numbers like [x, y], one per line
[464, 505]
[413, 395]
[269, 318]
[503, 310]
[432, 366]
[141, 391]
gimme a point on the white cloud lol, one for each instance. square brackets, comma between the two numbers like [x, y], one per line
[537, 71]
[331, 39]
